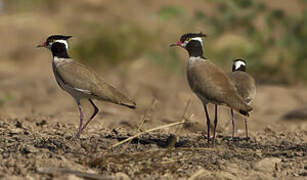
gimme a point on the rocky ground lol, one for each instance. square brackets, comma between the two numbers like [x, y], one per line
[37, 149]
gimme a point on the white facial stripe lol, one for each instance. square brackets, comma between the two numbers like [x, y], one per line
[238, 64]
[64, 42]
[196, 39]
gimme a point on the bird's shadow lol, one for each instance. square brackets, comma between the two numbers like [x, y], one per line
[164, 141]
[171, 140]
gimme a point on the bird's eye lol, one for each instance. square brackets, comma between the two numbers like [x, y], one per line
[187, 39]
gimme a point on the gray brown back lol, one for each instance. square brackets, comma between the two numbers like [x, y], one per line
[245, 85]
[80, 77]
[212, 85]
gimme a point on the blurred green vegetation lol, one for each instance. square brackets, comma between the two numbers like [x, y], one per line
[168, 12]
[28, 5]
[273, 42]
[170, 60]
[4, 99]
[124, 42]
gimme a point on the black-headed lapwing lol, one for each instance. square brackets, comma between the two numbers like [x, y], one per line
[80, 81]
[246, 88]
[209, 82]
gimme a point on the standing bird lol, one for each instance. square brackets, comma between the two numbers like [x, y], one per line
[208, 82]
[246, 88]
[80, 81]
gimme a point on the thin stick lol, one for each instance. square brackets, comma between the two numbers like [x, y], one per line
[146, 112]
[199, 172]
[147, 131]
[184, 112]
[52, 171]
[153, 102]
[186, 107]
[198, 148]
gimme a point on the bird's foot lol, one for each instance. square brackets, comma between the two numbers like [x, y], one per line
[78, 135]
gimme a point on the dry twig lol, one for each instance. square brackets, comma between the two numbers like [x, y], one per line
[195, 175]
[147, 131]
[147, 111]
[154, 129]
[52, 171]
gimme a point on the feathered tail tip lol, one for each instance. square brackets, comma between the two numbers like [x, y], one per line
[130, 105]
[244, 113]
[202, 35]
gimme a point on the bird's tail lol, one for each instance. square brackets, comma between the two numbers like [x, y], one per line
[245, 113]
[245, 110]
[240, 105]
[131, 104]
[109, 93]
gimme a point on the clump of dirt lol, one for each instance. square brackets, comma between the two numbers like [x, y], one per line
[42, 150]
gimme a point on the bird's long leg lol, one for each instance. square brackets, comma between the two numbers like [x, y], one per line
[208, 122]
[215, 123]
[96, 110]
[81, 119]
[233, 123]
[246, 128]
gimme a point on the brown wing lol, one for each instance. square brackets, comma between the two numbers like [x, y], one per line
[82, 78]
[210, 82]
[245, 85]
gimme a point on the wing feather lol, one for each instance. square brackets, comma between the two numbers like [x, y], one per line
[212, 83]
[81, 78]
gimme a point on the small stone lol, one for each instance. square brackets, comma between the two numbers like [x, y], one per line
[29, 177]
[122, 176]
[267, 164]
[73, 177]
[31, 149]
[225, 175]
[16, 131]
[18, 124]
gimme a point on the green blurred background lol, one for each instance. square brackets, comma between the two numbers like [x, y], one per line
[270, 35]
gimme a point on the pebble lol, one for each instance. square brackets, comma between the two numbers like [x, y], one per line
[267, 164]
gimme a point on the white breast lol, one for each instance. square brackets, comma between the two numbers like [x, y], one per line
[193, 61]
[58, 60]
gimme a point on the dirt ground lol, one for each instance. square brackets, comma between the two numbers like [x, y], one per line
[38, 121]
[37, 148]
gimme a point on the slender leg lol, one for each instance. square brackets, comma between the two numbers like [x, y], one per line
[233, 123]
[93, 115]
[81, 119]
[208, 122]
[215, 123]
[246, 128]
